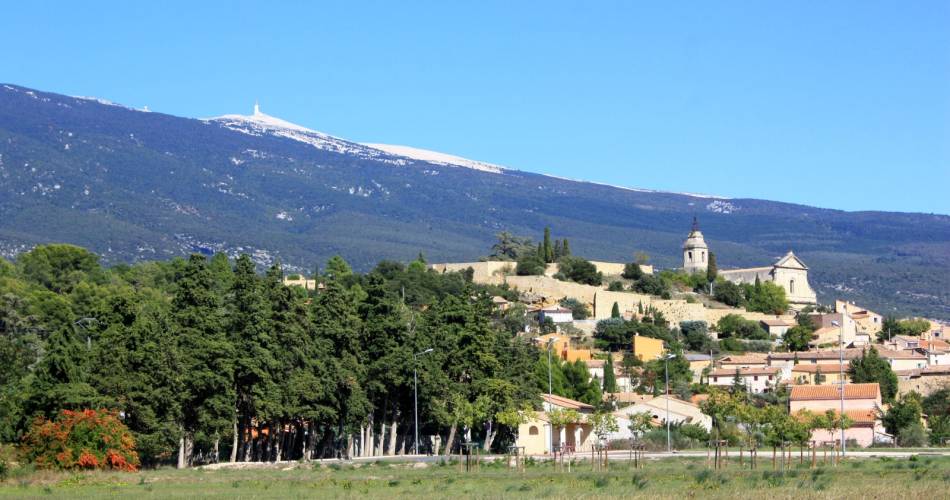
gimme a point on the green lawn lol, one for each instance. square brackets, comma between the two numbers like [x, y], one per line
[918, 477]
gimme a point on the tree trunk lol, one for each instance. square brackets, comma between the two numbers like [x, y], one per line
[181, 452]
[489, 436]
[217, 445]
[278, 438]
[234, 442]
[349, 445]
[189, 450]
[392, 439]
[450, 440]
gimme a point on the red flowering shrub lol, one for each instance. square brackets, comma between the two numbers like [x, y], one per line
[87, 439]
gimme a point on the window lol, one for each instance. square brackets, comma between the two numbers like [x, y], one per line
[756, 378]
[703, 254]
[690, 256]
[791, 287]
[715, 379]
[533, 430]
[770, 377]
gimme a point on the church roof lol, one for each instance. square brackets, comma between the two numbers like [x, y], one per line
[790, 260]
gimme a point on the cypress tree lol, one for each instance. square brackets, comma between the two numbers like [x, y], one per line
[615, 311]
[548, 248]
[610, 379]
[565, 249]
[640, 307]
[60, 380]
[711, 269]
[557, 250]
[541, 252]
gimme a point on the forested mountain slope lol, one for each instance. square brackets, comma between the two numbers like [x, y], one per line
[134, 185]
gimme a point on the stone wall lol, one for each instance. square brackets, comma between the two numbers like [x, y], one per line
[489, 272]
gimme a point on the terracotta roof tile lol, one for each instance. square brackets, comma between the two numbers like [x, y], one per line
[744, 359]
[822, 392]
[858, 417]
[729, 372]
[825, 368]
[565, 402]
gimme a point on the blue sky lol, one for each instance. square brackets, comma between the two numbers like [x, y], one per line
[834, 104]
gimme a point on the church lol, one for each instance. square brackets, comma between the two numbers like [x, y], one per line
[789, 272]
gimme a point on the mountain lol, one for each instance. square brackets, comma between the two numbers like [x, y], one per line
[132, 185]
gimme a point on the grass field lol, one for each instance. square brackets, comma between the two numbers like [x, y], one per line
[917, 477]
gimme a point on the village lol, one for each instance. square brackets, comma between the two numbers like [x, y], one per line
[805, 376]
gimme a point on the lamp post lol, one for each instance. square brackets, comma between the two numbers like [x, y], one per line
[81, 324]
[844, 446]
[550, 343]
[666, 362]
[415, 395]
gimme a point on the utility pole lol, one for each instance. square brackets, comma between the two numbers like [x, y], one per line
[666, 361]
[844, 446]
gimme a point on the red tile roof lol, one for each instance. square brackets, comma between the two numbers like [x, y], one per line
[745, 359]
[745, 372]
[858, 417]
[565, 402]
[826, 368]
[823, 392]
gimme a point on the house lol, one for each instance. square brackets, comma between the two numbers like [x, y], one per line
[751, 360]
[937, 352]
[647, 348]
[776, 327]
[867, 321]
[903, 343]
[816, 357]
[697, 363]
[560, 346]
[557, 314]
[756, 380]
[924, 381]
[625, 398]
[902, 360]
[596, 369]
[538, 436]
[679, 412]
[500, 303]
[862, 403]
[301, 281]
[825, 373]
[832, 327]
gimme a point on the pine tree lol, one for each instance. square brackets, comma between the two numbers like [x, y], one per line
[548, 248]
[254, 364]
[610, 379]
[61, 378]
[615, 311]
[206, 358]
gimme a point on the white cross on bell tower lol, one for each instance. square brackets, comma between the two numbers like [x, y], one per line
[257, 108]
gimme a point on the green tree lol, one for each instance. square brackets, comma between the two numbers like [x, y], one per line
[337, 268]
[712, 271]
[615, 311]
[206, 359]
[530, 265]
[728, 293]
[610, 379]
[579, 310]
[768, 298]
[870, 367]
[579, 270]
[904, 412]
[59, 267]
[565, 249]
[632, 271]
[696, 335]
[797, 338]
[61, 378]
[548, 247]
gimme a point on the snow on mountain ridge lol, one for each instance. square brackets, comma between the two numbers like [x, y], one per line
[437, 158]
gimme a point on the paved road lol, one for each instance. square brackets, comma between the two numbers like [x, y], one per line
[613, 455]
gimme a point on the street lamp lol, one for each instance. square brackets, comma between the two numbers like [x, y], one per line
[415, 394]
[844, 446]
[81, 324]
[666, 362]
[550, 392]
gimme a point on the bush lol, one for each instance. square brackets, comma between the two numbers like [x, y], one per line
[728, 293]
[579, 310]
[530, 265]
[913, 435]
[86, 439]
[580, 270]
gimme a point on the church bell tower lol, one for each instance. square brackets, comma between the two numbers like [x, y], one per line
[695, 251]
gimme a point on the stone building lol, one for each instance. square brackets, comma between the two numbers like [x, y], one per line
[695, 251]
[789, 272]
